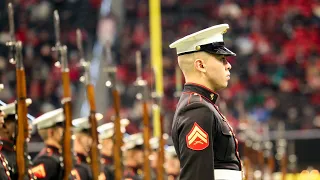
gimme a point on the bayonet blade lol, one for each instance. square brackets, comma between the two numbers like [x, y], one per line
[56, 20]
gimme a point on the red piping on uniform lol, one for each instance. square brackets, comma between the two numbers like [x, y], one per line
[191, 92]
[6, 147]
[189, 99]
[2, 158]
[190, 83]
[6, 139]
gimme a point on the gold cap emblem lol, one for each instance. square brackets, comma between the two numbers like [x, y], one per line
[211, 96]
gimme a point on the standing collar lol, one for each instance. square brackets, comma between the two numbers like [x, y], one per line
[7, 144]
[53, 149]
[106, 159]
[81, 158]
[201, 90]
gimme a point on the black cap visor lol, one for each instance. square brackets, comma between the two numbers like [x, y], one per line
[217, 48]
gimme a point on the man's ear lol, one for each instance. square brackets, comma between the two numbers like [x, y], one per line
[199, 64]
[50, 132]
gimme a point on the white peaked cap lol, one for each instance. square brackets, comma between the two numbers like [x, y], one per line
[49, 119]
[133, 140]
[107, 130]
[11, 108]
[208, 36]
[170, 151]
[155, 141]
[83, 123]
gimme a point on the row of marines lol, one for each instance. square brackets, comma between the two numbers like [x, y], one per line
[48, 164]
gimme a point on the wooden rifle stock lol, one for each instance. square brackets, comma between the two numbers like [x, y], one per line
[146, 138]
[67, 153]
[118, 135]
[22, 129]
[94, 151]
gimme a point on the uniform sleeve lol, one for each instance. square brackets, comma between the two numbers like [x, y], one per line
[45, 168]
[195, 136]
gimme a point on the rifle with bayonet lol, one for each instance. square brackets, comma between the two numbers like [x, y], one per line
[66, 100]
[94, 151]
[142, 84]
[111, 83]
[162, 141]
[22, 128]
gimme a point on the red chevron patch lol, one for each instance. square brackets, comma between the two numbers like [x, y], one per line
[39, 171]
[197, 139]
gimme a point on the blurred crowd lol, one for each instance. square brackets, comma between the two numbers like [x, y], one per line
[275, 75]
[34, 27]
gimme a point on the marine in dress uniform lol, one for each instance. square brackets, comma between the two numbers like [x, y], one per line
[133, 156]
[82, 144]
[48, 164]
[106, 134]
[7, 137]
[4, 168]
[203, 139]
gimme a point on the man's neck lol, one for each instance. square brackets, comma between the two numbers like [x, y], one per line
[200, 81]
[106, 152]
[52, 142]
[79, 148]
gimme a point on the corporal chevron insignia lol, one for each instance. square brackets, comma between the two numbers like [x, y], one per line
[197, 139]
[39, 171]
[75, 174]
